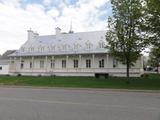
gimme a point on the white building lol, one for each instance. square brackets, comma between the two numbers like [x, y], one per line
[68, 54]
[4, 62]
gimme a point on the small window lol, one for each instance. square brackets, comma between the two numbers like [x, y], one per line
[88, 63]
[101, 63]
[52, 64]
[0, 67]
[41, 63]
[75, 62]
[115, 63]
[31, 65]
[22, 64]
[101, 44]
[63, 63]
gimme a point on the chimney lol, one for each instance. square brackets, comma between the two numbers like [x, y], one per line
[58, 30]
[30, 34]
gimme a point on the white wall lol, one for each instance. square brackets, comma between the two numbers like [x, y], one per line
[108, 65]
[4, 70]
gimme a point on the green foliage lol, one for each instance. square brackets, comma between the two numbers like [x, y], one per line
[124, 35]
[152, 26]
[153, 21]
[154, 56]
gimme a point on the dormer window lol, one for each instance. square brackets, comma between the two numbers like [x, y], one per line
[53, 48]
[31, 49]
[88, 45]
[101, 44]
[76, 46]
[40, 49]
[49, 49]
[64, 47]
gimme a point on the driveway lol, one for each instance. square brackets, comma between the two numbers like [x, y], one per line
[74, 104]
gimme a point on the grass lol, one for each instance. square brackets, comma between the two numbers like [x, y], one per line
[149, 81]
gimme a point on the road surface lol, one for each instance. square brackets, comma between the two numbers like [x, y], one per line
[72, 104]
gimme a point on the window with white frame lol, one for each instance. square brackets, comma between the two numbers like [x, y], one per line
[22, 64]
[115, 63]
[101, 44]
[101, 63]
[41, 63]
[30, 65]
[52, 64]
[88, 45]
[64, 47]
[88, 63]
[40, 49]
[75, 63]
[63, 63]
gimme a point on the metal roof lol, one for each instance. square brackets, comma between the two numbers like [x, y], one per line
[70, 43]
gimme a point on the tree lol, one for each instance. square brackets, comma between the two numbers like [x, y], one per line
[153, 28]
[154, 57]
[153, 21]
[124, 36]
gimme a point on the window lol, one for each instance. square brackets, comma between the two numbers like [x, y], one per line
[64, 47]
[40, 49]
[30, 65]
[75, 62]
[101, 44]
[101, 63]
[88, 45]
[42, 64]
[115, 63]
[0, 67]
[88, 63]
[52, 64]
[22, 64]
[63, 63]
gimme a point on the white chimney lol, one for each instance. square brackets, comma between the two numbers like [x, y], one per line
[58, 30]
[30, 34]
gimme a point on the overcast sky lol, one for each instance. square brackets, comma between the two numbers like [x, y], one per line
[42, 16]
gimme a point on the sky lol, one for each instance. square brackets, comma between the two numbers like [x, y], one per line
[43, 16]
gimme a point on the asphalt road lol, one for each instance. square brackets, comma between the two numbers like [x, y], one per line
[72, 104]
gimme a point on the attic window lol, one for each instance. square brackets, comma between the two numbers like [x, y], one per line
[31, 49]
[88, 45]
[101, 44]
[41, 49]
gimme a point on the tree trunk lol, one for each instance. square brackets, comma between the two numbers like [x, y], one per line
[127, 72]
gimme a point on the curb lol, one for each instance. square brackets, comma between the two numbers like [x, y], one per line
[88, 89]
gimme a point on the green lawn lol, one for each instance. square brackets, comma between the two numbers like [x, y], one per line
[151, 81]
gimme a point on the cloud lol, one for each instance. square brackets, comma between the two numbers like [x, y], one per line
[85, 15]
[53, 12]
